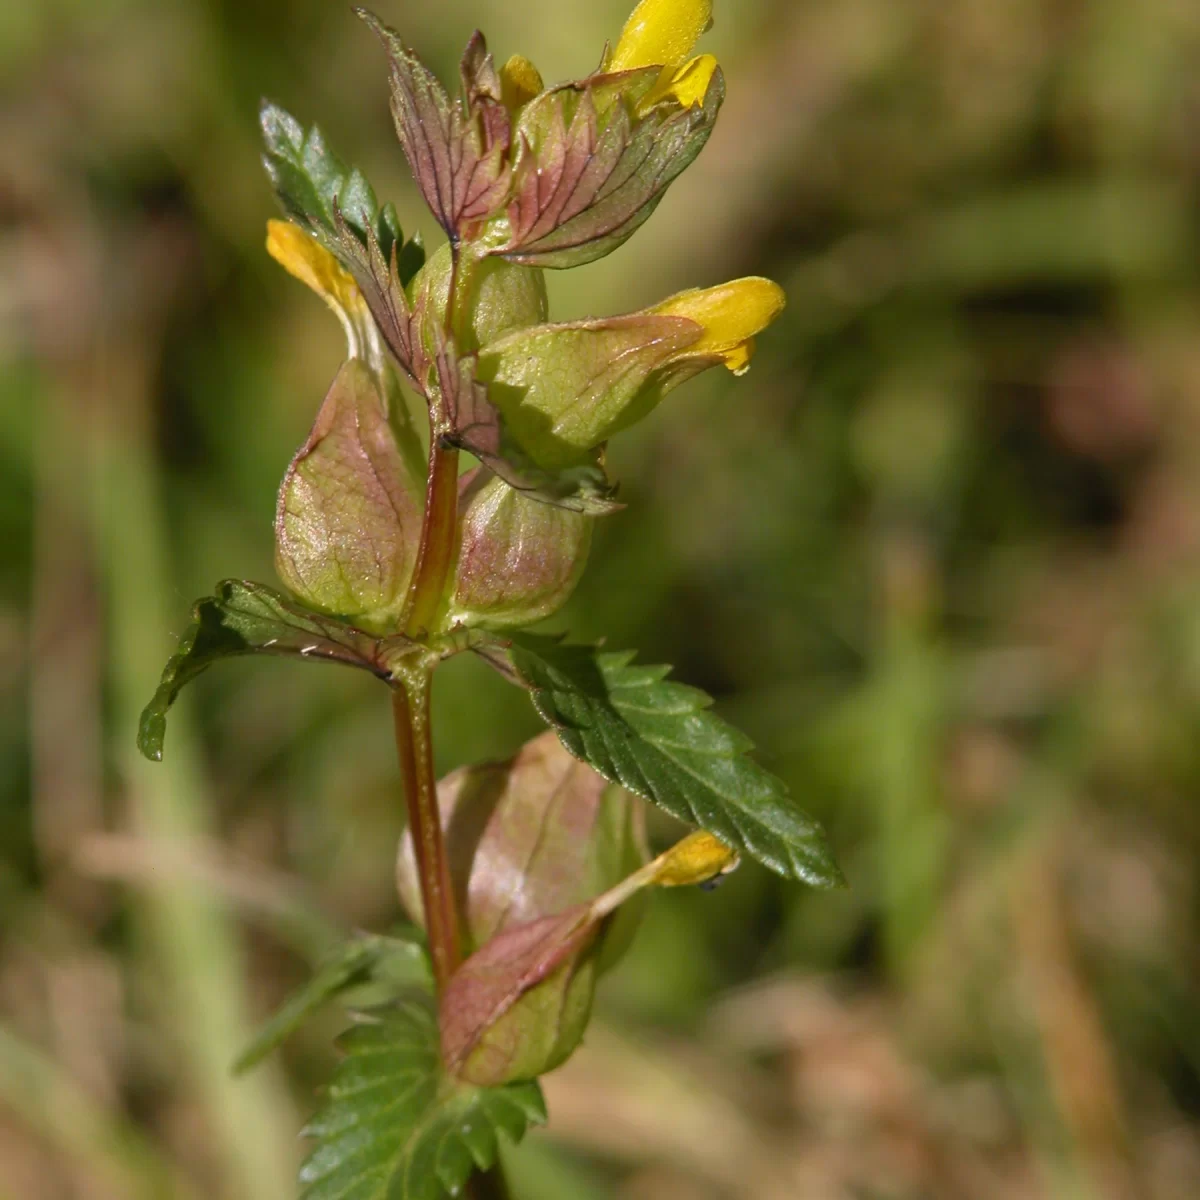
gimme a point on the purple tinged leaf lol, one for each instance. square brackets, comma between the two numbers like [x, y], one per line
[458, 155]
[494, 1012]
[519, 560]
[588, 171]
[348, 521]
[497, 1023]
[528, 837]
[381, 283]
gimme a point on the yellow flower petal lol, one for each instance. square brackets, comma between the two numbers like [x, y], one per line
[661, 33]
[302, 256]
[519, 82]
[730, 314]
[697, 859]
[687, 86]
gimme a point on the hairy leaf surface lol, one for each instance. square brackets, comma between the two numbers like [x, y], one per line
[658, 739]
[395, 1126]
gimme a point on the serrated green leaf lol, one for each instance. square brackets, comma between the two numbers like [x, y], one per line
[658, 739]
[395, 1126]
[396, 962]
[314, 186]
[248, 618]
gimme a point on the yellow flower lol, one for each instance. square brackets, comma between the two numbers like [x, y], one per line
[520, 81]
[661, 33]
[730, 315]
[302, 256]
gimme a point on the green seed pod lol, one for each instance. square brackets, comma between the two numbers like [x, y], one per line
[529, 839]
[348, 522]
[519, 559]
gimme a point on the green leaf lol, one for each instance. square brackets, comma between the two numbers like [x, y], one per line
[396, 1127]
[396, 962]
[658, 739]
[248, 618]
[314, 186]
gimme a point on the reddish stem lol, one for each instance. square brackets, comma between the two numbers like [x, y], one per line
[410, 709]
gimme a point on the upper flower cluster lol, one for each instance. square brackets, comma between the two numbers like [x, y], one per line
[521, 177]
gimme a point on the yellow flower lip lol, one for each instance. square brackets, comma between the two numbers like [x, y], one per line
[307, 260]
[661, 33]
[688, 86]
[520, 81]
[301, 256]
[730, 315]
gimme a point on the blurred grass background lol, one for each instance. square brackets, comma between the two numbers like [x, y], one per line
[939, 553]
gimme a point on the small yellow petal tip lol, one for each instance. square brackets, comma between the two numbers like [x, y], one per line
[686, 86]
[661, 33]
[731, 314]
[698, 858]
[303, 257]
[520, 81]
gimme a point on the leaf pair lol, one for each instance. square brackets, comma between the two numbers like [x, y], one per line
[634, 726]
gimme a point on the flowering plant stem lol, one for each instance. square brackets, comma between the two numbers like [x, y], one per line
[410, 711]
[410, 702]
[515, 867]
